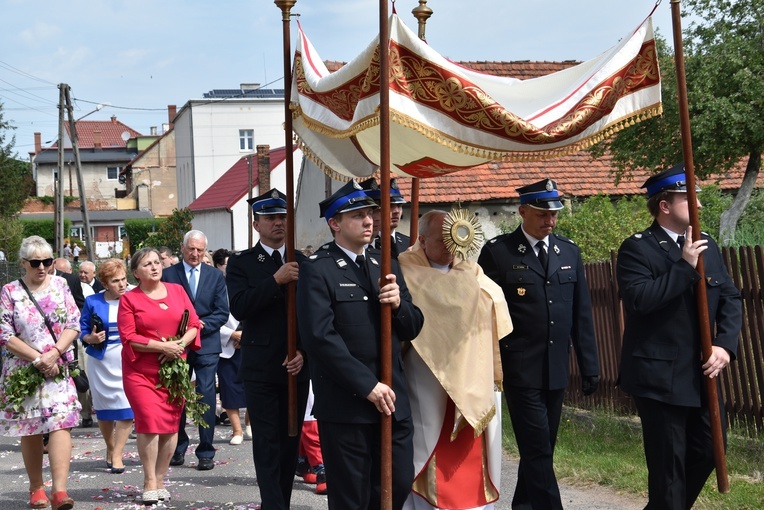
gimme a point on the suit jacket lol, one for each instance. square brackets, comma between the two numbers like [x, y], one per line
[97, 285]
[75, 286]
[548, 311]
[401, 244]
[211, 302]
[661, 356]
[338, 318]
[260, 305]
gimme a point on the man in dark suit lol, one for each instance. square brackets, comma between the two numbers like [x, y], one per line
[63, 268]
[88, 276]
[543, 279]
[400, 242]
[338, 297]
[256, 281]
[661, 363]
[206, 288]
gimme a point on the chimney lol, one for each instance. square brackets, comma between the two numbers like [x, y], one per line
[264, 167]
[97, 140]
[113, 119]
[172, 111]
[37, 143]
[153, 130]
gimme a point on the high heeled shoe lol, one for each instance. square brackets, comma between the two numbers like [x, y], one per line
[61, 501]
[38, 498]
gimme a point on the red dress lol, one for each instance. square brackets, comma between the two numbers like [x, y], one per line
[139, 320]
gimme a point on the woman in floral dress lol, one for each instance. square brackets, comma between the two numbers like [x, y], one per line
[25, 339]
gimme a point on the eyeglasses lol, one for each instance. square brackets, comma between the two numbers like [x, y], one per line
[35, 263]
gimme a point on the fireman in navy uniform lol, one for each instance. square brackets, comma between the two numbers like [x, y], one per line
[400, 242]
[256, 280]
[661, 363]
[543, 279]
[338, 310]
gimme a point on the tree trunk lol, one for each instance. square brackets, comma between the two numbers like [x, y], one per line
[730, 217]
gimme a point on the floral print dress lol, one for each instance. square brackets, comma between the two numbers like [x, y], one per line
[54, 406]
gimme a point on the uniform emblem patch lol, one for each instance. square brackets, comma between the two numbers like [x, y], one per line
[521, 291]
[556, 249]
[261, 258]
[521, 248]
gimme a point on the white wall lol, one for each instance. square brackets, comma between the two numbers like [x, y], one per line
[207, 139]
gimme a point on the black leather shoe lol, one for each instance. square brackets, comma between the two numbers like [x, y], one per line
[87, 423]
[205, 464]
[177, 459]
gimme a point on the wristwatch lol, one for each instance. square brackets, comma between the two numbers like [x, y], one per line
[36, 361]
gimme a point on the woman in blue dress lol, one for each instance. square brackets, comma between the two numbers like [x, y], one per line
[101, 339]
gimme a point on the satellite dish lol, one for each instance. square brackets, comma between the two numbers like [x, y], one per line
[125, 136]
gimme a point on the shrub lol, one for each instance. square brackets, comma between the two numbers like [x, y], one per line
[139, 230]
[598, 225]
[45, 229]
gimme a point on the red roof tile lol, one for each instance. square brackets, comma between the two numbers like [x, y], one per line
[232, 186]
[110, 132]
[576, 174]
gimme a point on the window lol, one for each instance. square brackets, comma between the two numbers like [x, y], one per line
[75, 232]
[122, 232]
[112, 173]
[246, 139]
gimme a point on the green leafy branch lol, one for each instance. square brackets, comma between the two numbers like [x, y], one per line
[26, 380]
[173, 375]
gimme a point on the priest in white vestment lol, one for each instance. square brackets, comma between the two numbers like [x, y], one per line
[453, 370]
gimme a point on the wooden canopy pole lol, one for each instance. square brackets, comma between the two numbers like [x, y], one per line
[291, 288]
[386, 315]
[717, 437]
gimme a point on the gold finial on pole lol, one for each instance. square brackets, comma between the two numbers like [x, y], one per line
[285, 6]
[422, 13]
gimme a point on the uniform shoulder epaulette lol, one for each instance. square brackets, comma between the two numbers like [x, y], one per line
[321, 253]
[564, 239]
[242, 252]
[642, 235]
[498, 238]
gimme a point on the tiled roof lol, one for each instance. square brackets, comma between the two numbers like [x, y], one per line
[111, 133]
[232, 186]
[576, 174]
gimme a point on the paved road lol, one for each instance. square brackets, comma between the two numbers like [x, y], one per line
[230, 486]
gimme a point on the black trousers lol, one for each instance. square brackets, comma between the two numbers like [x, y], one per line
[535, 416]
[352, 458]
[678, 451]
[273, 451]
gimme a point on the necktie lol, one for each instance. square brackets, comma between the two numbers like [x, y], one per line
[192, 282]
[542, 255]
[680, 241]
[361, 261]
[277, 258]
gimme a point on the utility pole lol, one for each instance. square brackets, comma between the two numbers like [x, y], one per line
[78, 166]
[58, 181]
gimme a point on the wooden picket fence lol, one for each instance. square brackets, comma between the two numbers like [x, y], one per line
[742, 383]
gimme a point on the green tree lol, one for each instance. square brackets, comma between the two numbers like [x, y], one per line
[724, 59]
[598, 225]
[15, 187]
[173, 229]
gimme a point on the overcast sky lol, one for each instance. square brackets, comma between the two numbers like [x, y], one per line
[138, 56]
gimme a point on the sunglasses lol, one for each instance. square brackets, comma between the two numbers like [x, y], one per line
[35, 263]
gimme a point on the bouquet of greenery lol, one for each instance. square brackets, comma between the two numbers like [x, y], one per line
[173, 375]
[26, 380]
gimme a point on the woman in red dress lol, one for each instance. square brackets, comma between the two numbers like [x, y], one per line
[148, 315]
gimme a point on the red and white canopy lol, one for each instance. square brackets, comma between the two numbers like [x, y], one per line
[445, 117]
